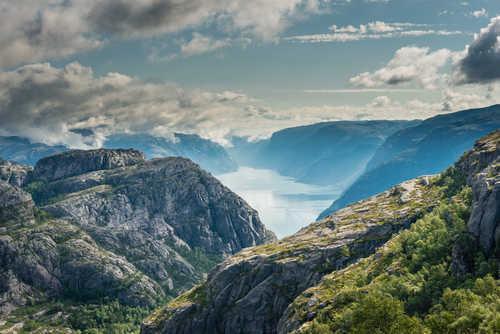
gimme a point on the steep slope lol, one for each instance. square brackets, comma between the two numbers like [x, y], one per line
[108, 223]
[424, 149]
[209, 155]
[13, 173]
[43, 258]
[324, 153]
[23, 151]
[321, 279]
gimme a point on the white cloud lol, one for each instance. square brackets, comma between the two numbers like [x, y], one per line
[409, 65]
[480, 13]
[372, 30]
[46, 29]
[202, 44]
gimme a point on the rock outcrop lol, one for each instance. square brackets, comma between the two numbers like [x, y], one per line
[109, 223]
[79, 162]
[13, 173]
[482, 167]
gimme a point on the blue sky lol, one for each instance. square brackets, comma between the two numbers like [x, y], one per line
[221, 68]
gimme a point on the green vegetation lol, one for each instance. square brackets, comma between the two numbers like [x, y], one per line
[414, 284]
[100, 317]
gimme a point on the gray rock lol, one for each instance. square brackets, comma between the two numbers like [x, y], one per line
[13, 173]
[77, 162]
[482, 167]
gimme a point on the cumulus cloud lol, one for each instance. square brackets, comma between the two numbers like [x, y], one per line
[481, 61]
[479, 13]
[409, 65]
[37, 30]
[34, 30]
[45, 103]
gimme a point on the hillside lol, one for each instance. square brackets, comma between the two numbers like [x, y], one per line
[427, 148]
[420, 257]
[108, 229]
[323, 153]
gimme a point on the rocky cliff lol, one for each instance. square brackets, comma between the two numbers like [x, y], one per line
[381, 263]
[249, 292]
[13, 173]
[482, 167]
[108, 223]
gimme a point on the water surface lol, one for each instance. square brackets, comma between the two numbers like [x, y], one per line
[284, 205]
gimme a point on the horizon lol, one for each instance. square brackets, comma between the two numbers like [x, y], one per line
[220, 69]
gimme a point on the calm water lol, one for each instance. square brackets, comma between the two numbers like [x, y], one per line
[284, 206]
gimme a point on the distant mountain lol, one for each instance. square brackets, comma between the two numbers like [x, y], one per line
[323, 153]
[424, 149]
[23, 151]
[88, 225]
[208, 154]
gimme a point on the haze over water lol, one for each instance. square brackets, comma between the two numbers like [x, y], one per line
[284, 205]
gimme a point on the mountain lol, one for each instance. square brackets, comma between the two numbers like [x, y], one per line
[424, 149]
[23, 151]
[209, 155]
[109, 230]
[324, 153]
[421, 257]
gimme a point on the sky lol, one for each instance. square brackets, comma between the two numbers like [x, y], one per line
[223, 68]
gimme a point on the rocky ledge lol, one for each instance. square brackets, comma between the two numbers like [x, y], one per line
[77, 162]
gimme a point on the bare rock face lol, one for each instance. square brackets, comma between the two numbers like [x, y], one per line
[250, 292]
[79, 162]
[16, 207]
[159, 214]
[111, 224]
[13, 173]
[482, 167]
[55, 257]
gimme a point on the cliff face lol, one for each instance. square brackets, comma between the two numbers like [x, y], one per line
[316, 280]
[110, 223]
[249, 292]
[13, 173]
[482, 165]
[79, 162]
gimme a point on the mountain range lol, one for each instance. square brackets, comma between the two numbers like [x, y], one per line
[427, 148]
[323, 154]
[208, 154]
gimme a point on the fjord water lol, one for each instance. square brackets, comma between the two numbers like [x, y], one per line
[284, 205]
